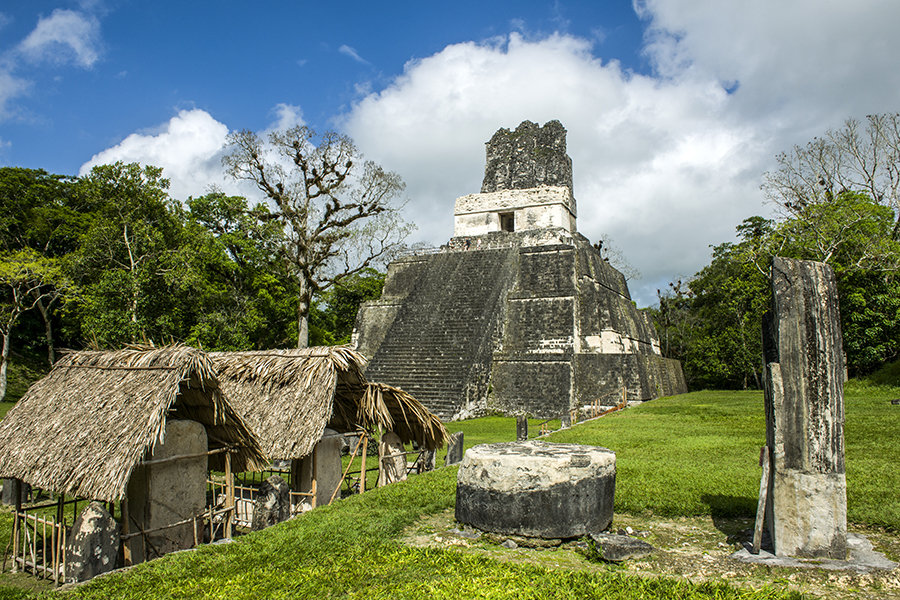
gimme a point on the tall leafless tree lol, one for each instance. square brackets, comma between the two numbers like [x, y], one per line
[337, 209]
[857, 157]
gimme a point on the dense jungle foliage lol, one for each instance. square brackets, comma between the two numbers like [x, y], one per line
[836, 200]
[110, 258]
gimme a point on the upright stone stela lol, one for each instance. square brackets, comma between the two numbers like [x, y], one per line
[806, 499]
[518, 313]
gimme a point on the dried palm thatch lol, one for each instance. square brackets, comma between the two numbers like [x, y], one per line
[289, 397]
[83, 428]
[396, 410]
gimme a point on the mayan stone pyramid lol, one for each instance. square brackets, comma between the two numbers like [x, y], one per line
[518, 313]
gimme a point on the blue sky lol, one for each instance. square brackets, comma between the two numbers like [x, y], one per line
[675, 108]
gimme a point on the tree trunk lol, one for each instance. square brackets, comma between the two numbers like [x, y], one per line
[4, 363]
[303, 314]
[48, 330]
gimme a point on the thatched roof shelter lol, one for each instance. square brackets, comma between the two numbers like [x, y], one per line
[289, 397]
[407, 417]
[83, 428]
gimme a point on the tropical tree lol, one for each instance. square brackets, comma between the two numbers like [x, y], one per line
[337, 210]
[38, 211]
[127, 255]
[334, 313]
[27, 278]
[241, 293]
[857, 157]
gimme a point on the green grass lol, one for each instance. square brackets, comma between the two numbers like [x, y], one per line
[888, 375]
[349, 550]
[488, 430]
[687, 455]
[872, 431]
[698, 454]
[695, 454]
[23, 371]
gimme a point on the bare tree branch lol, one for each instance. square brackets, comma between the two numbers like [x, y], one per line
[336, 209]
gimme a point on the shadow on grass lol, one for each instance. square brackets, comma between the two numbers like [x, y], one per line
[732, 515]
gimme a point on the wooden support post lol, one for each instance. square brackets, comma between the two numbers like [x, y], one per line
[44, 575]
[362, 468]
[347, 470]
[18, 508]
[60, 507]
[126, 545]
[229, 495]
[57, 551]
[34, 545]
[63, 532]
[314, 488]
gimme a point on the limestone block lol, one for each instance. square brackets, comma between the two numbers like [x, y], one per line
[165, 493]
[426, 461]
[454, 448]
[521, 428]
[273, 503]
[92, 545]
[527, 157]
[11, 487]
[618, 548]
[325, 463]
[537, 208]
[806, 509]
[392, 467]
[537, 489]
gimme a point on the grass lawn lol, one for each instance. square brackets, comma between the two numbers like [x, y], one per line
[349, 550]
[694, 454]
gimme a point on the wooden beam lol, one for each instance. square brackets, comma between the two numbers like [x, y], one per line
[126, 546]
[314, 488]
[362, 468]
[229, 495]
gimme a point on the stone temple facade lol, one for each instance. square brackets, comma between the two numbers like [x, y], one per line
[518, 313]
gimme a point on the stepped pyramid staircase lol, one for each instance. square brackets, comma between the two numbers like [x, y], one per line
[440, 345]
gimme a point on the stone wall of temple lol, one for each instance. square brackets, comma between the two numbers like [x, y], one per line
[515, 328]
[527, 157]
[518, 312]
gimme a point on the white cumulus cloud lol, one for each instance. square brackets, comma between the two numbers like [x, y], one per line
[666, 163]
[650, 156]
[188, 147]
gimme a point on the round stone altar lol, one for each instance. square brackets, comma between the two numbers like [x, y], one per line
[537, 489]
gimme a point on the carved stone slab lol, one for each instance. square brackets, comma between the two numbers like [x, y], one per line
[806, 507]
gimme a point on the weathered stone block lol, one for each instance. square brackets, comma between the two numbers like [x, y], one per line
[618, 548]
[324, 463]
[13, 487]
[454, 448]
[92, 545]
[273, 503]
[393, 460]
[537, 489]
[806, 508]
[521, 428]
[528, 157]
[165, 493]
